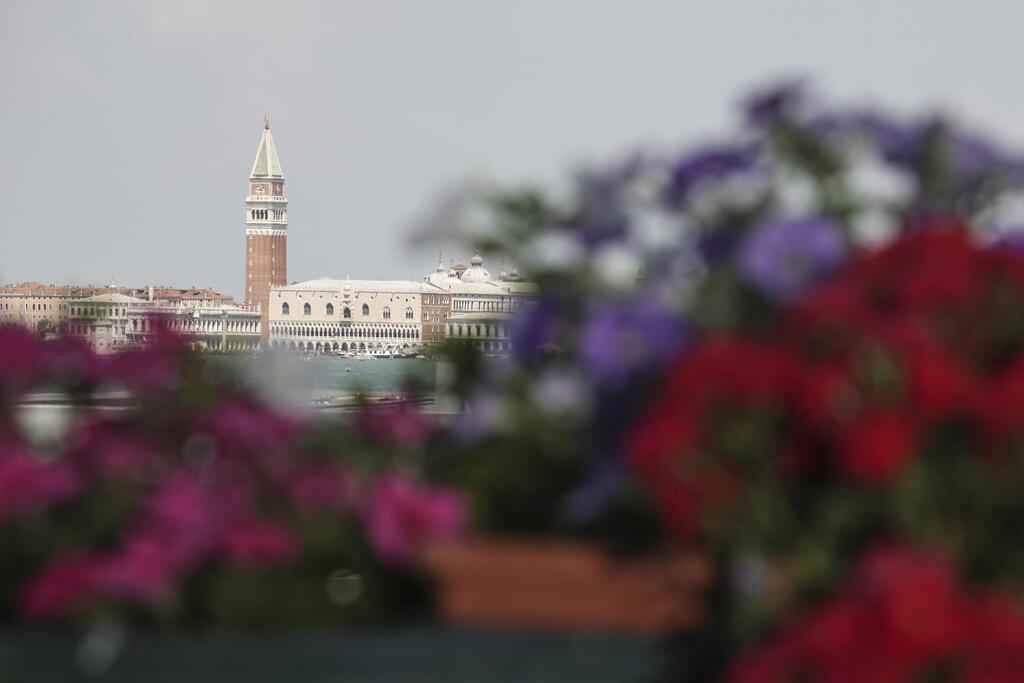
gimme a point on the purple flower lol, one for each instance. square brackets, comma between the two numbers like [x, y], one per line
[707, 164]
[621, 339]
[768, 106]
[601, 217]
[538, 329]
[781, 258]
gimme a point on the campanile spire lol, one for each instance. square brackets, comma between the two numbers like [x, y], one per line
[266, 227]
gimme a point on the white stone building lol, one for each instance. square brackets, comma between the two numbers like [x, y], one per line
[364, 316]
[114, 321]
[102, 320]
[482, 308]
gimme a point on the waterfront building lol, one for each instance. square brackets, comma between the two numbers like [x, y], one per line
[364, 316]
[481, 307]
[102, 320]
[210, 327]
[35, 306]
[266, 228]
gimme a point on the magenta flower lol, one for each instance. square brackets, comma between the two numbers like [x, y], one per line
[23, 361]
[249, 541]
[240, 425]
[401, 517]
[60, 587]
[110, 450]
[401, 428]
[143, 570]
[318, 488]
[28, 485]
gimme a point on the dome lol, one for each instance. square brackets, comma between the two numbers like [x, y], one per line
[476, 271]
[439, 276]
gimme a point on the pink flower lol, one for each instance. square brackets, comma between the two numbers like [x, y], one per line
[143, 569]
[27, 485]
[113, 452]
[23, 360]
[318, 488]
[60, 587]
[401, 516]
[401, 428]
[256, 542]
[240, 425]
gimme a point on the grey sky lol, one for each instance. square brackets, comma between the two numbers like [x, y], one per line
[127, 127]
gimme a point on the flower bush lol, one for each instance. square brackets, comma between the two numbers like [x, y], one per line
[195, 502]
[792, 348]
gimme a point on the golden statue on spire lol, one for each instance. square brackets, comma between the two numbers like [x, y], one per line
[266, 121]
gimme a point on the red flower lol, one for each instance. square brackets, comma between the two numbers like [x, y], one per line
[901, 615]
[877, 447]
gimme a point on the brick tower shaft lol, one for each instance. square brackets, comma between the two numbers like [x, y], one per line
[266, 229]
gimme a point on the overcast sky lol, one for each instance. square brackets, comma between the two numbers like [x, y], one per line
[127, 128]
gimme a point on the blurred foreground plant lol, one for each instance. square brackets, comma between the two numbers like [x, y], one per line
[195, 502]
[798, 345]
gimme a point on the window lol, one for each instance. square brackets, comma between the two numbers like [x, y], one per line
[408, 314]
[306, 309]
[347, 313]
[366, 309]
[387, 313]
[330, 309]
[284, 308]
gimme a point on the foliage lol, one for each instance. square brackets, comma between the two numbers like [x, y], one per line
[195, 502]
[800, 344]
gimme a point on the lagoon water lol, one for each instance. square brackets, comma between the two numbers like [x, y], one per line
[332, 374]
[290, 376]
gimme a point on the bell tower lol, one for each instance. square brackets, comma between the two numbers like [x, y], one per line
[266, 229]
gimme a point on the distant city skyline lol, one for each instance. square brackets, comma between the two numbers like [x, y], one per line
[128, 128]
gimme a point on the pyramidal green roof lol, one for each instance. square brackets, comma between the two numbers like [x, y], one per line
[267, 165]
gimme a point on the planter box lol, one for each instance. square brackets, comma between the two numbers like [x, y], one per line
[567, 586]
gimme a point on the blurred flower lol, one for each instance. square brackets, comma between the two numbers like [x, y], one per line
[877, 448]
[402, 427]
[249, 541]
[560, 392]
[783, 257]
[23, 361]
[705, 164]
[143, 569]
[538, 329]
[401, 516]
[30, 486]
[555, 251]
[778, 102]
[622, 338]
[320, 488]
[61, 586]
[905, 608]
[484, 414]
[617, 265]
[238, 425]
